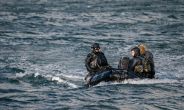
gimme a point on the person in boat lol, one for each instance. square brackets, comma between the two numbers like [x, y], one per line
[141, 65]
[148, 61]
[135, 63]
[99, 70]
[95, 62]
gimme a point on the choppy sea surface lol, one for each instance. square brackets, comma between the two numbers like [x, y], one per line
[43, 44]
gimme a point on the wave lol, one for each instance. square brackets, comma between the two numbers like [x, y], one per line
[8, 69]
[10, 91]
[73, 81]
[72, 85]
[9, 80]
[142, 82]
[37, 78]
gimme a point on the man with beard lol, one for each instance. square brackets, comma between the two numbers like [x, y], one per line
[95, 62]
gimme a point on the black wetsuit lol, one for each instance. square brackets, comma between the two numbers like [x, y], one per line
[136, 60]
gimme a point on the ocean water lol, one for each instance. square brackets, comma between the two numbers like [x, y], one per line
[43, 44]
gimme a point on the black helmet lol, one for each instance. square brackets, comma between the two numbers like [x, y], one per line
[95, 45]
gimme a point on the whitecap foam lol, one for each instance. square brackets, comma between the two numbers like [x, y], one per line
[19, 75]
[141, 82]
[54, 78]
[149, 81]
[73, 77]
[50, 77]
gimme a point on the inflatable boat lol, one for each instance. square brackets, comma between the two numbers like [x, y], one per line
[117, 75]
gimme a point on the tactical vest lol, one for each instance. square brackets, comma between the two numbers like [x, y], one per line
[144, 67]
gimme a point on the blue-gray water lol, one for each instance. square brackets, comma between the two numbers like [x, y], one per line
[43, 44]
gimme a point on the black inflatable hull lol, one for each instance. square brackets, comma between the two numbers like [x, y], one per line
[109, 75]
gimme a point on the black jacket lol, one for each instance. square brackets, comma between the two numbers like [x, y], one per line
[95, 62]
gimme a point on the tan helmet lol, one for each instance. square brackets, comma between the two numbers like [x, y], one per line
[143, 48]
